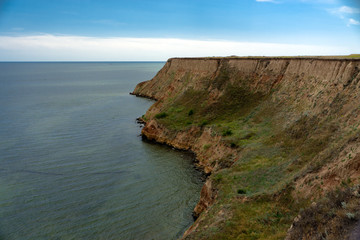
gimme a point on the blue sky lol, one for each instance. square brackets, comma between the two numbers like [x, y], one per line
[155, 30]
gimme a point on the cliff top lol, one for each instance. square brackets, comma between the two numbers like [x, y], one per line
[351, 57]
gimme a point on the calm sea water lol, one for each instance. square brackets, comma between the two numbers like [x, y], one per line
[72, 163]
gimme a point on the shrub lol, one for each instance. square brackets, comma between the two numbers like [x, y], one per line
[203, 123]
[161, 115]
[233, 145]
[227, 132]
[241, 191]
[191, 112]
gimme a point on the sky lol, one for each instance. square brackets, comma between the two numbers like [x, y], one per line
[144, 30]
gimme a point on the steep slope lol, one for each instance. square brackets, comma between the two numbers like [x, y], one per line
[274, 134]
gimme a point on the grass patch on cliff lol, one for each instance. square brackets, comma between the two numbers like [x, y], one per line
[193, 106]
[267, 217]
[261, 170]
[161, 115]
[271, 158]
[183, 110]
[304, 140]
[262, 217]
[236, 102]
[255, 190]
[268, 164]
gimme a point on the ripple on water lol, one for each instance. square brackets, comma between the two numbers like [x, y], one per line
[72, 163]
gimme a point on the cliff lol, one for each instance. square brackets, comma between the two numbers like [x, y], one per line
[279, 138]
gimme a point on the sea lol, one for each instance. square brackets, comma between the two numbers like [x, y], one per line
[72, 161]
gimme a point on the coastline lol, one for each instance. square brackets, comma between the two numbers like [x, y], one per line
[184, 83]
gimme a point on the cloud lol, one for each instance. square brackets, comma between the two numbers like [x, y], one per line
[79, 48]
[344, 10]
[349, 10]
[353, 22]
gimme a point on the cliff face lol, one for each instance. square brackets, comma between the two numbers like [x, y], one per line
[274, 133]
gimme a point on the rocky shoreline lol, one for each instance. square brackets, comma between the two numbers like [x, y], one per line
[261, 128]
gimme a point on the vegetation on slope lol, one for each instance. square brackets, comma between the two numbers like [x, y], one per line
[257, 197]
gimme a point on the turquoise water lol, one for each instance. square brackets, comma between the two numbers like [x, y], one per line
[72, 163]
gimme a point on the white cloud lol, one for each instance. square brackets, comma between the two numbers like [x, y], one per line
[344, 10]
[349, 10]
[78, 48]
[353, 22]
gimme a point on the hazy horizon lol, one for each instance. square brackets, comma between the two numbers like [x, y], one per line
[74, 30]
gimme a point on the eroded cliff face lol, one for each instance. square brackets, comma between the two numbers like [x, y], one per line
[274, 133]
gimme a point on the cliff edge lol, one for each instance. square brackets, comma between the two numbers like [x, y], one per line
[278, 137]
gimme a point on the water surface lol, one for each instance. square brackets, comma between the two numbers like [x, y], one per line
[72, 163]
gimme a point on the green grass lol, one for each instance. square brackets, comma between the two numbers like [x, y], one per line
[271, 157]
[349, 56]
[161, 115]
[269, 150]
[262, 217]
[191, 106]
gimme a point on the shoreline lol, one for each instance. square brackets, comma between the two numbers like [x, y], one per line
[265, 131]
[195, 162]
